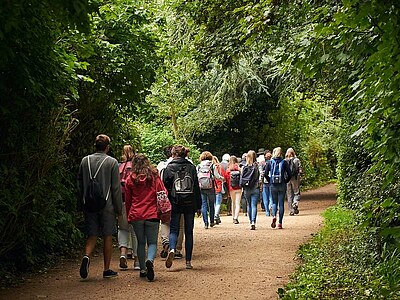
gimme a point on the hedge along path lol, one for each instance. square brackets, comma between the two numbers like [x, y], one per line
[230, 262]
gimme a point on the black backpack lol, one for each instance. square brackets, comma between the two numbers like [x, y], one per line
[235, 178]
[249, 176]
[183, 187]
[94, 197]
[293, 167]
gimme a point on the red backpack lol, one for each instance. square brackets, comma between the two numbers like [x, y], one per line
[125, 169]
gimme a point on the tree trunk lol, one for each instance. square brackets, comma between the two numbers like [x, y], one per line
[174, 123]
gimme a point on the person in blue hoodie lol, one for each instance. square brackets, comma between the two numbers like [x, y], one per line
[277, 173]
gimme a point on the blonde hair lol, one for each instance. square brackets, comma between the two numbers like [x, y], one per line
[251, 157]
[215, 160]
[290, 153]
[127, 153]
[232, 162]
[277, 152]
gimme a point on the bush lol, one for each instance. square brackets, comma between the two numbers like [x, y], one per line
[341, 262]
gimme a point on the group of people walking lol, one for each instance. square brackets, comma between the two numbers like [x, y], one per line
[132, 191]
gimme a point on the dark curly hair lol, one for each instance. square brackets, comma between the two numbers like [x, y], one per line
[141, 166]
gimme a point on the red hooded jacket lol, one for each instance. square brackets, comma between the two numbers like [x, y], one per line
[141, 198]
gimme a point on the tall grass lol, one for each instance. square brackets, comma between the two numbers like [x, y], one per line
[341, 262]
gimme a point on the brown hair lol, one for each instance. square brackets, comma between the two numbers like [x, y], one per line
[101, 142]
[127, 153]
[141, 166]
[179, 151]
[206, 155]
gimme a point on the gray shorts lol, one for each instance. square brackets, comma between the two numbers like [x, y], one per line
[103, 223]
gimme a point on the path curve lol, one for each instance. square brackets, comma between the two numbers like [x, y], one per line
[230, 262]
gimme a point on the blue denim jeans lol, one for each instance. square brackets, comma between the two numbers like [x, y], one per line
[267, 198]
[146, 232]
[208, 205]
[278, 192]
[252, 196]
[218, 201]
[188, 215]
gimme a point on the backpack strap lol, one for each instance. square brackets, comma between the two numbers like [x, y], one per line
[95, 174]
[91, 177]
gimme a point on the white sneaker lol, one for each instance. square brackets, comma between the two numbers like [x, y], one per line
[170, 258]
[136, 264]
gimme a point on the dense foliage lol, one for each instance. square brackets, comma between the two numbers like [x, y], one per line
[339, 264]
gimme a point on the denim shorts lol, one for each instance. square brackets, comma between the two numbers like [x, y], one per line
[102, 223]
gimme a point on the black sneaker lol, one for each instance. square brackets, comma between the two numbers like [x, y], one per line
[123, 263]
[164, 251]
[150, 270]
[235, 221]
[296, 211]
[110, 274]
[142, 273]
[84, 271]
[178, 255]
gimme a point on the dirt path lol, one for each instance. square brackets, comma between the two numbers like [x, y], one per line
[230, 262]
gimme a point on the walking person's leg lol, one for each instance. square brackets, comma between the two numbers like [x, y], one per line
[247, 196]
[269, 198]
[178, 250]
[233, 197]
[296, 196]
[236, 198]
[204, 209]
[108, 227]
[229, 205]
[253, 202]
[107, 252]
[218, 201]
[138, 227]
[211, 203]
[274, 194]
[151, 234]
[243, 202]
[290, 196]
[265, 199]
[164, 232]
[281, 199]
[133, 245]
[189, 225]
[123, 240]
[173, 236]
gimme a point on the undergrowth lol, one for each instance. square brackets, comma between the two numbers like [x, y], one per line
[342, 262]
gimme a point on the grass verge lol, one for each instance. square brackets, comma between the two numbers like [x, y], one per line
[342, 262]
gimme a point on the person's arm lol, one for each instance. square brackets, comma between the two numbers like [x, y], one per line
[128, 195]
[197, 194]
[79, 196]
[116, 189]
[266, 172]
[167, 177]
